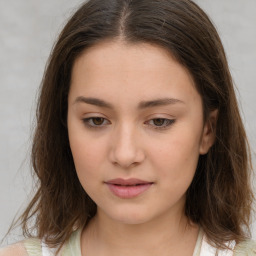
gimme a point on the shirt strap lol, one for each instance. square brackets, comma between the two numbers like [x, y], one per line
[209, 250]
[46, 251]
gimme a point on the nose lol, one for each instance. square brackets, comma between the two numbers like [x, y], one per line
[126, 150]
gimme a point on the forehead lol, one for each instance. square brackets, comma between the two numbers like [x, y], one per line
[130, 71]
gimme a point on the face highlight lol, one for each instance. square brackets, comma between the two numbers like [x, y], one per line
[135, 124]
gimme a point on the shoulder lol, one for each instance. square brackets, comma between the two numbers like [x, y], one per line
[15, 249]
[35, 247]
[29, 247]
[245, 248]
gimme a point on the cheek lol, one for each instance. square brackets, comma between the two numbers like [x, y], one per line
[176, 156]
[87, 153]
[87, 160]
[87, 156]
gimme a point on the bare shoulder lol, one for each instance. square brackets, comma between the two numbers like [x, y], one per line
[28, 247]
[15, 249]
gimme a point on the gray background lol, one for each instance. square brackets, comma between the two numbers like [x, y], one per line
[28, 29]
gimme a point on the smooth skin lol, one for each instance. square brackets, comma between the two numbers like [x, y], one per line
[134, 112]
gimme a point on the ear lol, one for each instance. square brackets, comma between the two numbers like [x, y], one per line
[209, 132]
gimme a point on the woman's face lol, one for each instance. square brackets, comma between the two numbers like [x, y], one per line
[135, 123]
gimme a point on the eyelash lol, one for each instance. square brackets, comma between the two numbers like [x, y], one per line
[167, 123]
[89, 122]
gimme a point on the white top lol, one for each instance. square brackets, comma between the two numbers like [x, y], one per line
[34, 247]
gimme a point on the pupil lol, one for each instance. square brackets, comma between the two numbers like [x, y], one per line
[158, 122]
[98, 121]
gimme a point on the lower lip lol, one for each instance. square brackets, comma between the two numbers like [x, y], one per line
[128, 191]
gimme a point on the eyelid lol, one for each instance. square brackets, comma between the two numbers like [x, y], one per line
[168, 122]
[88, 122]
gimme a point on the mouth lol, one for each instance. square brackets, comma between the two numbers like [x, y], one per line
[128, 188]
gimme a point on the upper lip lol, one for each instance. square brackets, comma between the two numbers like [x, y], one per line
[127, 182]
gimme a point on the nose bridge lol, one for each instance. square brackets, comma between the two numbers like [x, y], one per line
[126, 150]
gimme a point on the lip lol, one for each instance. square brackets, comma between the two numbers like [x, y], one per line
[128, 188]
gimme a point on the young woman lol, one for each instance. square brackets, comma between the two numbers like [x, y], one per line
[139, 147]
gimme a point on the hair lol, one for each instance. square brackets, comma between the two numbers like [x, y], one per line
[220, 197]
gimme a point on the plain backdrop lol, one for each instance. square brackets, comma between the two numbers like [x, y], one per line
[28, 29]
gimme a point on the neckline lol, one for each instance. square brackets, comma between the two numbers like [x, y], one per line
[73, 246]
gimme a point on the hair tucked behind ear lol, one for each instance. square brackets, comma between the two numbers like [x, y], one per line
[220, 196]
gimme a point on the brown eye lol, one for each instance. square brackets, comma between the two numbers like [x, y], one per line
[159, 121]
[95, 122]
[98, 120]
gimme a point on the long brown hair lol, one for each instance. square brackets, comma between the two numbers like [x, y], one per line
[220, 196]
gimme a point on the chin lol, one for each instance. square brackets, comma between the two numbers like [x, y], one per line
[127, 220]
[130, 217]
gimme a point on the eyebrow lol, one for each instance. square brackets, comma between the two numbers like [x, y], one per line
[93, 101]
[159, 102]
[142, 105]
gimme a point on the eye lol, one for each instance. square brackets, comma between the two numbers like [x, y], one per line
[160, 123]
[95, 122]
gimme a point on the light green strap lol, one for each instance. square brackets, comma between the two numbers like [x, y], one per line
[198, 243]
[73, 245]
[246, 248]
[33, 247]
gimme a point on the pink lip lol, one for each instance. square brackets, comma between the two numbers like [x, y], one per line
[128, 188]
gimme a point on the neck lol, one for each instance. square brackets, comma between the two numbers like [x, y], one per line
[173, 236]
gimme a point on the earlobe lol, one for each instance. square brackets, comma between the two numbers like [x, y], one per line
[209, 132]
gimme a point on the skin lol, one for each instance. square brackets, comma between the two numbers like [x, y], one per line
[135, 140]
